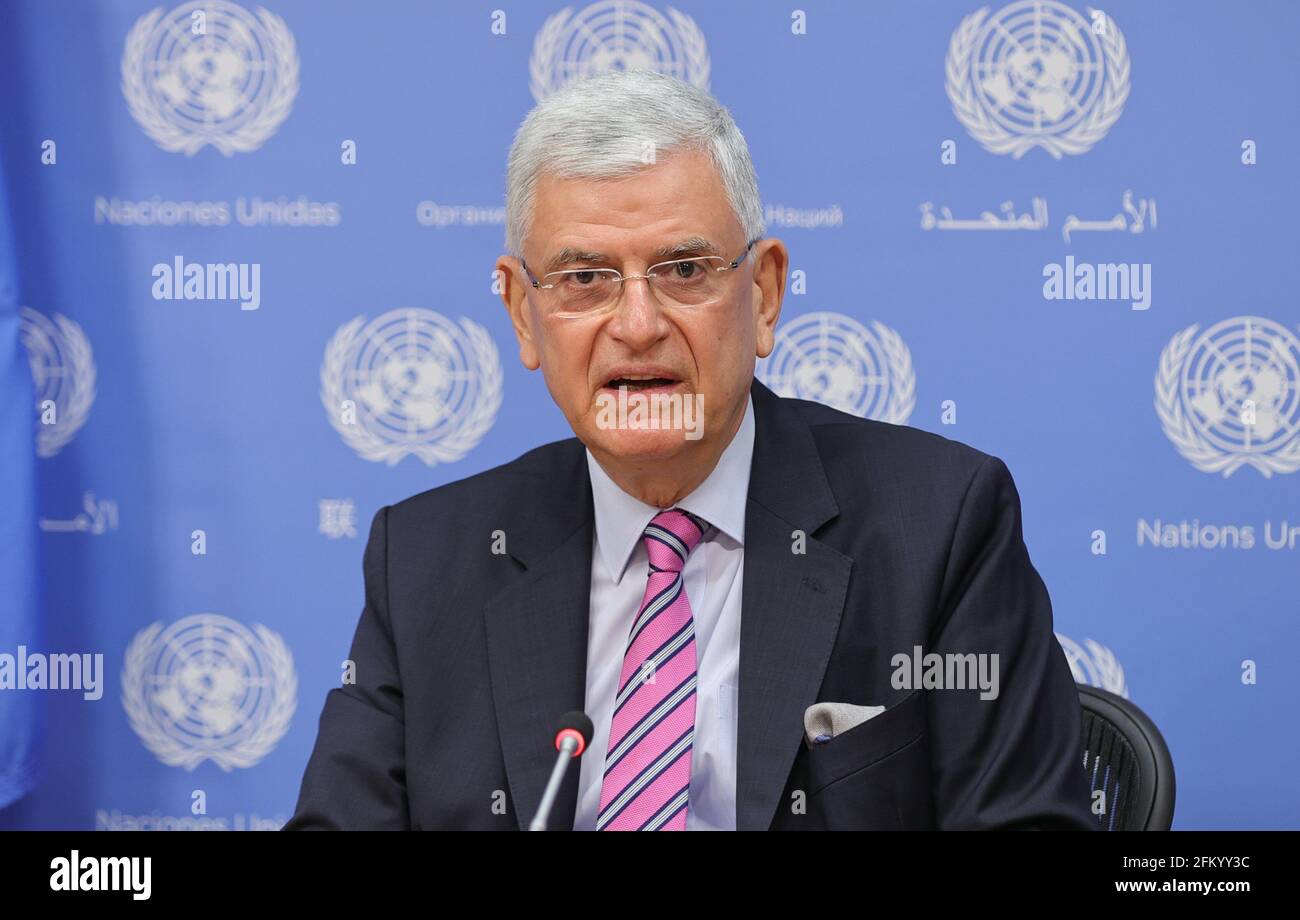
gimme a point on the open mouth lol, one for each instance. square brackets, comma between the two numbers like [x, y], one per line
[641, 383]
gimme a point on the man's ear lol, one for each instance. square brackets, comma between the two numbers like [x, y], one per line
[514, 294]
[771, 262]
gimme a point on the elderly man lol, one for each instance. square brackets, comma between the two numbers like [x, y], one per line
[776, 615]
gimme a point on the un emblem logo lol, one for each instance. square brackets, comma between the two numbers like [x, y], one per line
[835, 360]
[208, 688]
[1037, 74]
[1230, 397]
[1094, 665]
[209, 72]
[617, 35]
[63, 371]
[411, 382]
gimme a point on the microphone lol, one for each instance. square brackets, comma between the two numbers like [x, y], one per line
[572, 735]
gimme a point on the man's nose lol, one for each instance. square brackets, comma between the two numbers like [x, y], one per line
[638, 317]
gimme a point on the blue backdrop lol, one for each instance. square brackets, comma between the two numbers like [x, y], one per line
[958, 186]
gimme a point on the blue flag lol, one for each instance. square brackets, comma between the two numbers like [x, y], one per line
[19, 622]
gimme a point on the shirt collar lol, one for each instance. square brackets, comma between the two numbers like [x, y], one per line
[720, 499]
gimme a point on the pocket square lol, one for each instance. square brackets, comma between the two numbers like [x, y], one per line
[823, 721]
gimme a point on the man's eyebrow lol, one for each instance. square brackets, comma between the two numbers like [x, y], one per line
[695, 246]
[568, 255]
[692, 246]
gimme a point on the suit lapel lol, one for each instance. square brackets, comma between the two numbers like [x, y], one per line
[791, 604]
[536, 630]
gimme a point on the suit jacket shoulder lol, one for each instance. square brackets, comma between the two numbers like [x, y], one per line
[867, 448]
[507, 486]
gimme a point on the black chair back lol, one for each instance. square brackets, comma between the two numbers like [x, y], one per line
[1126, 758]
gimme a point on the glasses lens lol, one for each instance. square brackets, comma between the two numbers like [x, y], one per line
[688, 282]
[582, 290]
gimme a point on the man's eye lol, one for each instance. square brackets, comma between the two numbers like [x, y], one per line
[583, 278]
[686, 270]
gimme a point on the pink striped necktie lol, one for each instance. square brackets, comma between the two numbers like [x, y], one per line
[647, 778]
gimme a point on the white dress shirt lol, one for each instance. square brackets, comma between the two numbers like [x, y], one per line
[714, 577]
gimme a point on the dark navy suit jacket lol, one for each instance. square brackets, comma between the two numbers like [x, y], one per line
[465, 658]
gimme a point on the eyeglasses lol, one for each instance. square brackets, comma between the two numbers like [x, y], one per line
[689, 282]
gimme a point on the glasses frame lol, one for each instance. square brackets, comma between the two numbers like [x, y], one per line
[650, 271]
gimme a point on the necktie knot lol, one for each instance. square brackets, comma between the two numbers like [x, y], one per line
[670, 537]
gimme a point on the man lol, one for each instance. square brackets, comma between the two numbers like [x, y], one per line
[731, 597]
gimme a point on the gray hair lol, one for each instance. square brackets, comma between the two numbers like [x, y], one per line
[606, 125]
